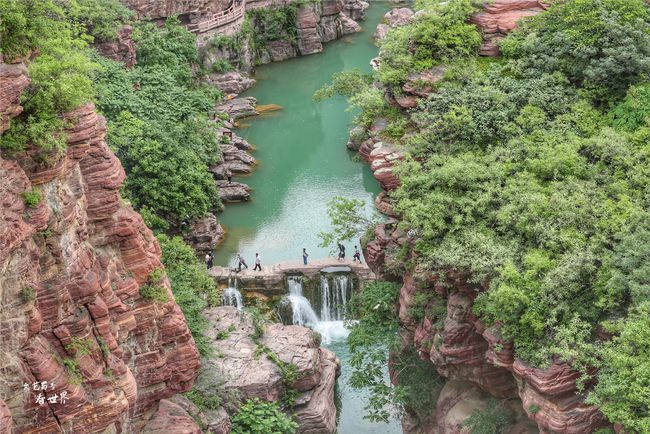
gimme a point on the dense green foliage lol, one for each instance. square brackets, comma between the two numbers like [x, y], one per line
[259, 417]
[60, 74]
[602, 46]
[155, 290]
[159, 126]
[493, 419]
[530, 175]
[191, 285]
[439, 34]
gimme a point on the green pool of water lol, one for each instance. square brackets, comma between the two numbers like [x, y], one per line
[303, 161]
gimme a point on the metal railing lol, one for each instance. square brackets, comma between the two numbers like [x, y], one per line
[233, 13]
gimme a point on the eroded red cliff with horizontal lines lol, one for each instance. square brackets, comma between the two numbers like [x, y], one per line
[71, 267]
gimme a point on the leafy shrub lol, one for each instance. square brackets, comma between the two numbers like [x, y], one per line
[221, 66]
[32, 198]
[438, 34]
[601, 45]
[74, 373]
[27, 294]
[154, 289]
[202, 401]
[622, 388]
[99, 18]
[80, 347]
[493, 420]
[60, 74]
[190, 284]
[258, 417]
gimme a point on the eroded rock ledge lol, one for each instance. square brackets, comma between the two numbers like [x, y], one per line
[70, 272]
[240, 369]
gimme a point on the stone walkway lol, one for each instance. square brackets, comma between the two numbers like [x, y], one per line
[274, 274]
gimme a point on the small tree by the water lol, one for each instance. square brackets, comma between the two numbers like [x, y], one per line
[348, 221]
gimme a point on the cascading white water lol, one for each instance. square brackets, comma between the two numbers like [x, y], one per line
[302, 312]
[334, 300]
[232, 296]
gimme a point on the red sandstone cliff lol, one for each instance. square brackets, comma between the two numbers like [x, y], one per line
[70, 272]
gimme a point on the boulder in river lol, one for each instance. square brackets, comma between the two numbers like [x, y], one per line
[238, 108]
[233, 191]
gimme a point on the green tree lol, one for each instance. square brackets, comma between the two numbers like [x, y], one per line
[191, 286]
[258, 417]
[600, 45]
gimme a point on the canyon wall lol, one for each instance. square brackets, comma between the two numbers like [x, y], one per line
[80, 349]
[436, 313]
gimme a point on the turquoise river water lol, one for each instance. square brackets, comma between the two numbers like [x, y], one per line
[303, 163]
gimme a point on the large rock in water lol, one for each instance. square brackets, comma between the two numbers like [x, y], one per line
[72, 268]
[394, 18]
[231, 82]
[242, 367]
[238, 108]
[233, 191]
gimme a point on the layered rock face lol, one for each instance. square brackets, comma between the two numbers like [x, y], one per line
[243, 371]
[71, 314]
[316, 23]
[463, 349]
[158, 9]
[499, 17]
[122, 49]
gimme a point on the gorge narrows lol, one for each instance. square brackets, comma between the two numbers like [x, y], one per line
[303, 163]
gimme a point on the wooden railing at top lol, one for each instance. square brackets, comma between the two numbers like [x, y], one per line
[220, 19]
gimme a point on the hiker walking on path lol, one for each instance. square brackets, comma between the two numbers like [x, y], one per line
[305, 255]
[357, 255]
[258, 262]
[240, 262]
[208, 260]
[341, 251]
[229, 175]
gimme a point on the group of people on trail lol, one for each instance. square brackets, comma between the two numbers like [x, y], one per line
[355, 257]
[241, 262]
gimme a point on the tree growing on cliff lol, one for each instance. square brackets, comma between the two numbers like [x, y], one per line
[348, 219]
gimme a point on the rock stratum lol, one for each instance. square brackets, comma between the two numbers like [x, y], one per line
[71, 268]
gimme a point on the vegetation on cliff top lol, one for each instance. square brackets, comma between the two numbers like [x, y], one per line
[158, 116]
[530, 174]
[159, 126]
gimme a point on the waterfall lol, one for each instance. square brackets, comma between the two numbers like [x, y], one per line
[335, 293]
[231, 295]
[325, 299]
[301, 310]
[334, 300]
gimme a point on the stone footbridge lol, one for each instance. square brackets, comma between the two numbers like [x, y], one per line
[272, 277]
